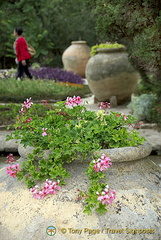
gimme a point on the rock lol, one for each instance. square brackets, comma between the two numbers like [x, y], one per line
[156, 150]
[2, 143]
[24, 152]
[11, 145]
[153, 137]
[134, 214]
[148, 126]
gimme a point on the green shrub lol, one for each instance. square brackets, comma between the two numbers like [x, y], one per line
[9, 112]
[142, 105]
[12, 90]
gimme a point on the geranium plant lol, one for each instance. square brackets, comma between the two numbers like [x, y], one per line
[68, 132]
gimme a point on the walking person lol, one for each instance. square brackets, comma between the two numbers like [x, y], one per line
[22, 54]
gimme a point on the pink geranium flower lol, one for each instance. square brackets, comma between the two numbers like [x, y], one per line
[28, 120]
[102, 163]
[49, 187]
[10, 158]
[73, 101]
[107, 196]
[124, 116]
[27, 104]
[22, 110]
[44, 132]
[104, 105]
[13, 170]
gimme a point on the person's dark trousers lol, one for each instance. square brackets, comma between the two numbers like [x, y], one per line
[23, 69]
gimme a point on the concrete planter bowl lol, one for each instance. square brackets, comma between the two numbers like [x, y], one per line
[127, 154]
[124, 154]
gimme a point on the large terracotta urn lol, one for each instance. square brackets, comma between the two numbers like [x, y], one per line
[76, 56]
[109, 74]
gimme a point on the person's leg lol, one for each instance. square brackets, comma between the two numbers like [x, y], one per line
[26, 70]
[20, 71]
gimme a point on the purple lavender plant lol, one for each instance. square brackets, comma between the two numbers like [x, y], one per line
[56, 74]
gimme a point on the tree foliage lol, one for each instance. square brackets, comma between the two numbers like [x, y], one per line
[49, 26]
[137, 25]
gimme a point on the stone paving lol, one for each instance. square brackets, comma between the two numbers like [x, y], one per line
[135, 214]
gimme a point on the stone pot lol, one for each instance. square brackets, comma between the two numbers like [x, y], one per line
[124, 154]
[25, 151]
[109, 74]
[76, 56]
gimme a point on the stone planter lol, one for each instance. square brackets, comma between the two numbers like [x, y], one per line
[124, 154]
[24, 152]
[76, 56]
[127, 154]
[109, 74]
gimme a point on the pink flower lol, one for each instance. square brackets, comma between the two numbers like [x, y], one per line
[28, 120]
[124, 116]
[44, 132]
[27, 104]
[104, 105]
[73, 101]
[13, 170]
[77, 99]
[70, 102]
[107, 196]
[10, 158]
[22, 110]
[102, 163]
[49, 187]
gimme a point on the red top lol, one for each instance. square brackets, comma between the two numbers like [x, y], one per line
[21, 48]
